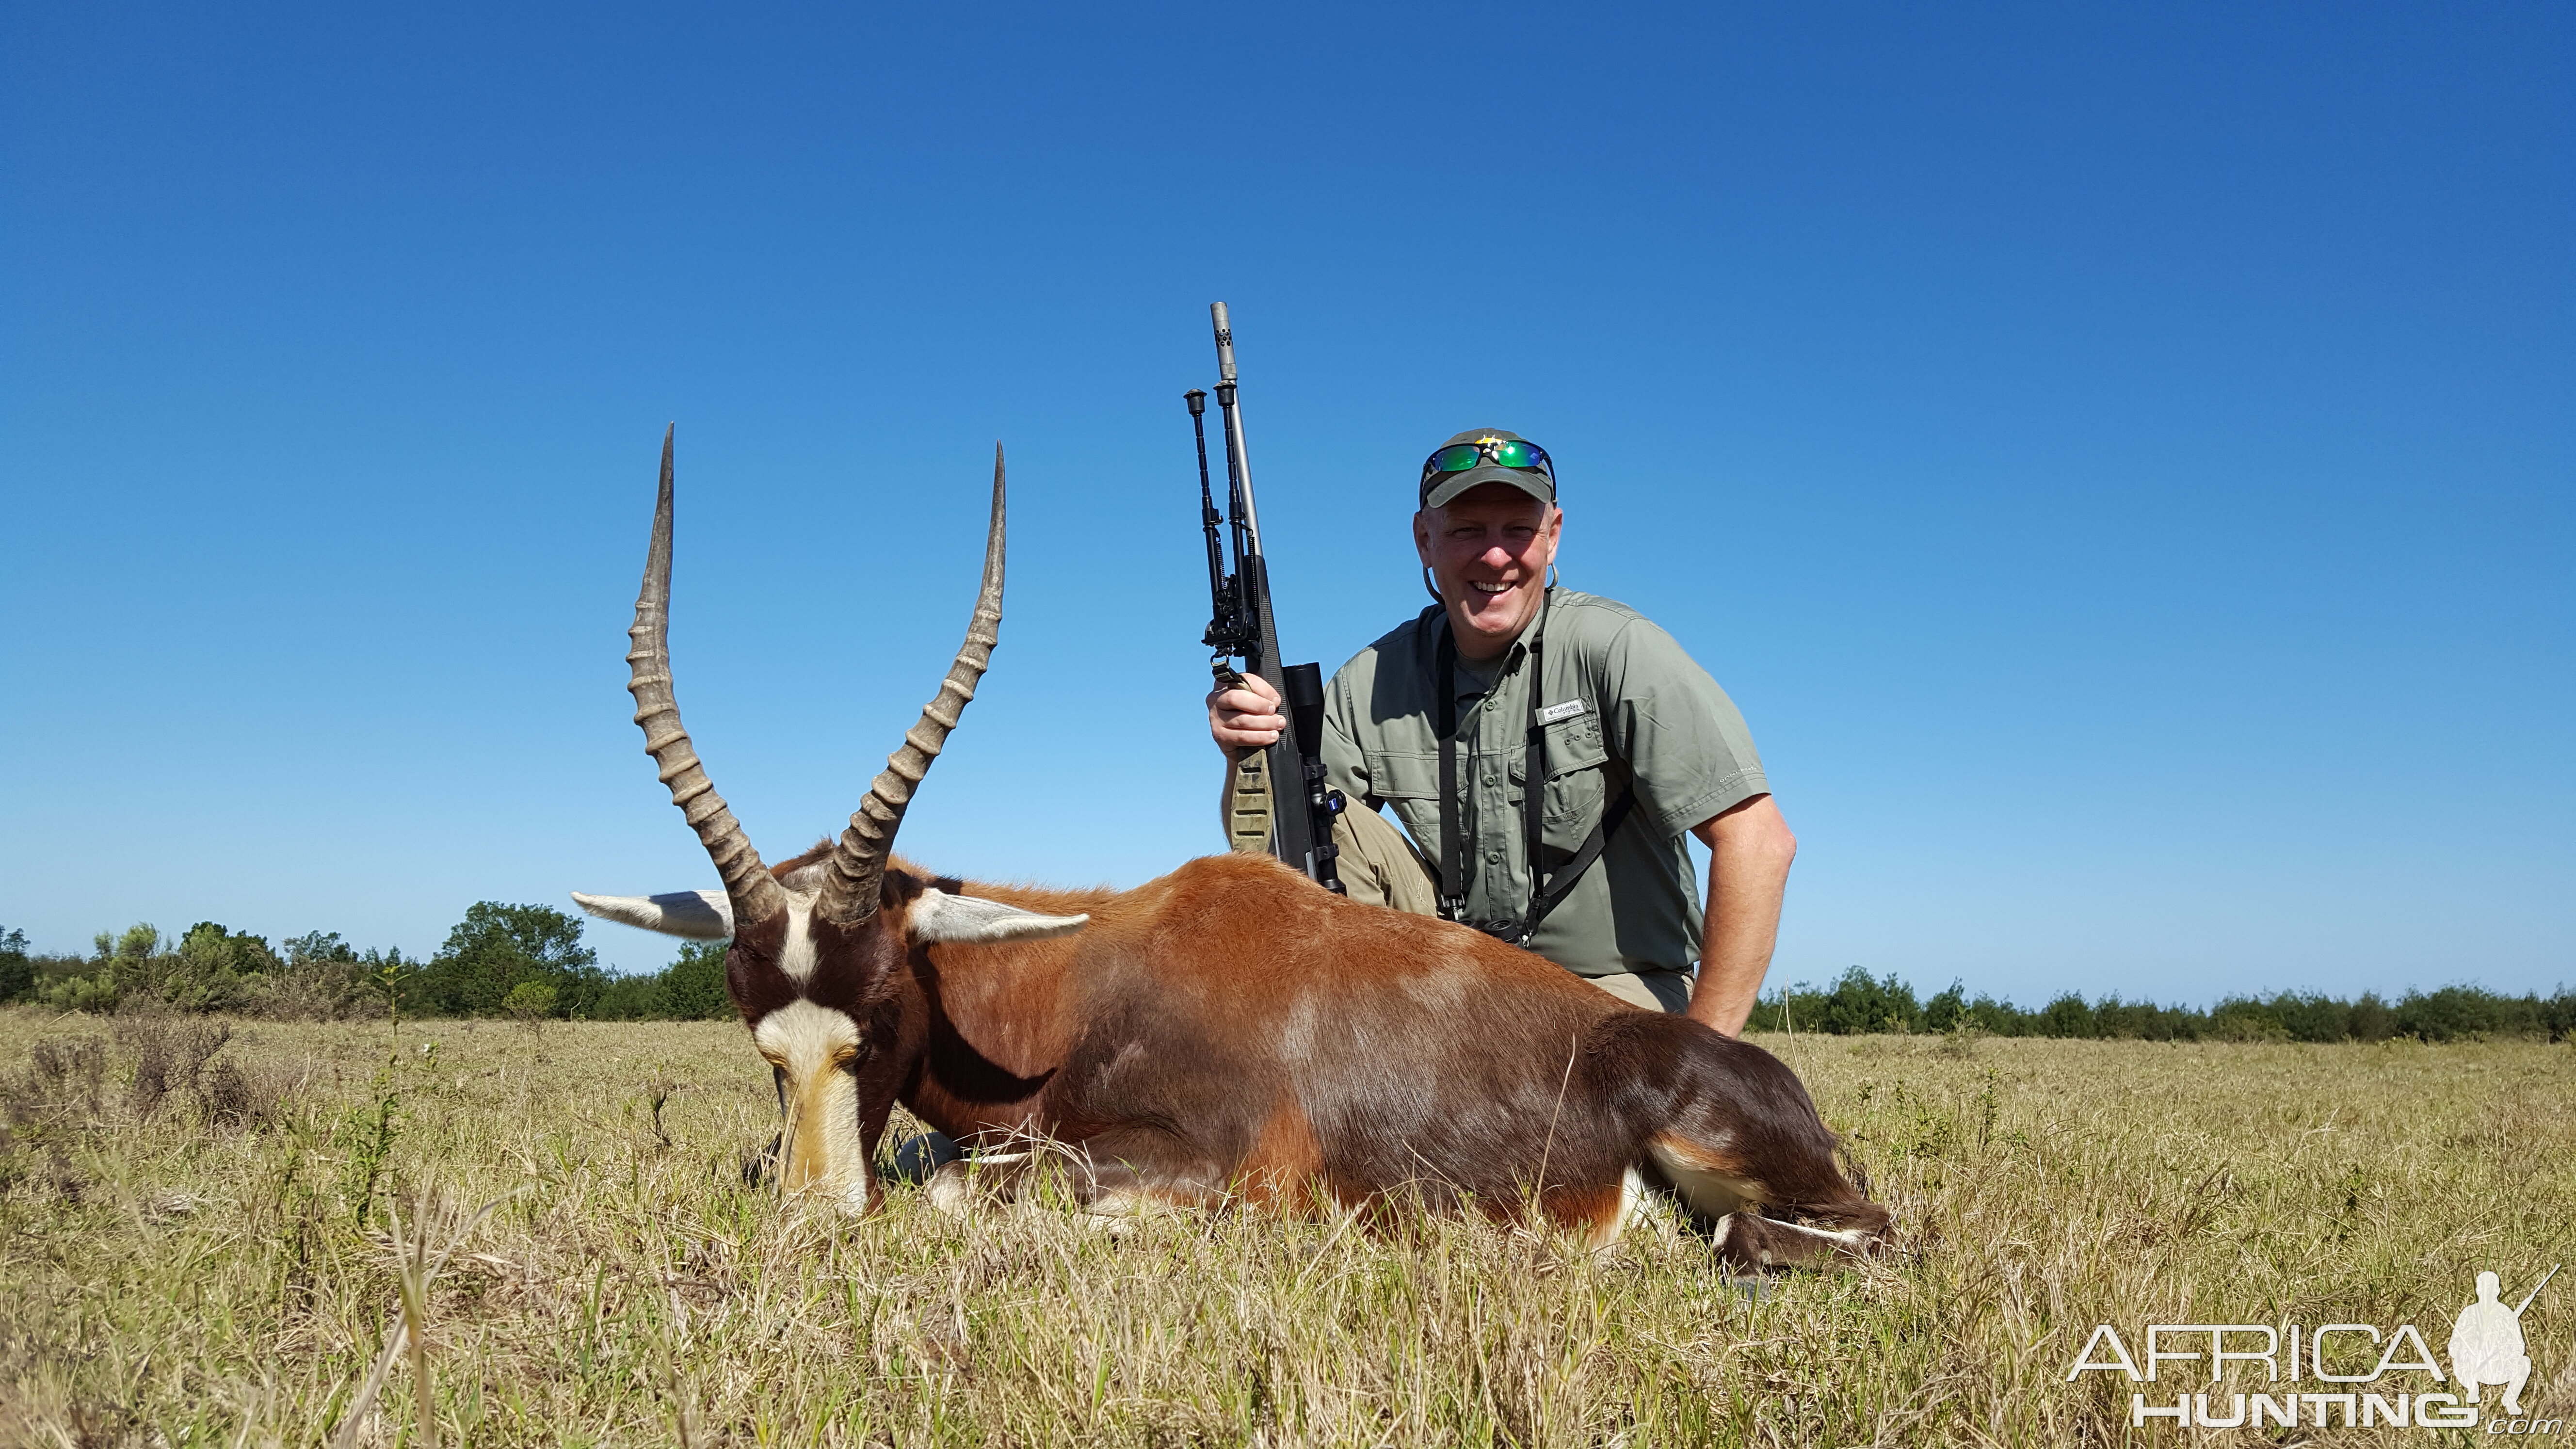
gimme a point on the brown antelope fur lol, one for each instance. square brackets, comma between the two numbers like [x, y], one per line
[1230, 1032]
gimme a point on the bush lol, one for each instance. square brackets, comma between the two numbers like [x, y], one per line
[2066, 1016]
[1859, 1005]
[206, 972]
[231, 1095]
[531, 1001]
[99, 984]
[2558, 1014]
[692, 987]
[64, 1078]
[497, 948]
[629, 998]
[161, 1057]
[95, 993]
[168, 1055]
[17, 973]
[2457, 1013]
[319, 978]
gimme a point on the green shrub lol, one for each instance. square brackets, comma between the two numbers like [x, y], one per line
[530, 1001]
[81, 993]
[692, 987]
[17, 973]
[496, 948]
[628, 998]
[317, 977]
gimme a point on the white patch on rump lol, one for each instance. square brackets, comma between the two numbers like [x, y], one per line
[1632, 1196]
[811, 1044]
[1707, 1190]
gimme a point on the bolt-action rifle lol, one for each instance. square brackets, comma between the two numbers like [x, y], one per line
[1243, 627]
[2535, 1290]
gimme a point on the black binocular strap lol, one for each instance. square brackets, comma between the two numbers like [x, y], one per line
[1554, 886]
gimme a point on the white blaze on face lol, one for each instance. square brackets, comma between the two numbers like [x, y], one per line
[814, 1046]
[796, 958]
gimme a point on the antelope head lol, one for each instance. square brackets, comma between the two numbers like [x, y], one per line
[820, 942]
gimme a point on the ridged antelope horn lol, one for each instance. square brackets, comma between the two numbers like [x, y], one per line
[756, 895]
[857, 869]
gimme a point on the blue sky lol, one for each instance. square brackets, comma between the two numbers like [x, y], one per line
[2117, 457]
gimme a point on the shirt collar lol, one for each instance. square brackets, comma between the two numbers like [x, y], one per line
[1510, 662]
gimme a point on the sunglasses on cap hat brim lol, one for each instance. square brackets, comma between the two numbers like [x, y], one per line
[1503, 452]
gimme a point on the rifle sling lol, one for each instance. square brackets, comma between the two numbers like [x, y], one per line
[1552, 886]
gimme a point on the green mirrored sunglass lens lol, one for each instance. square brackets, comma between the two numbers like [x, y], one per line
[1455, 459]
[1513, 455]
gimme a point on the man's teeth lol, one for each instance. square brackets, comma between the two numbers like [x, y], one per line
[1493, 588]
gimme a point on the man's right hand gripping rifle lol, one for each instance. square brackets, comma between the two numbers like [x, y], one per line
[1245, 715]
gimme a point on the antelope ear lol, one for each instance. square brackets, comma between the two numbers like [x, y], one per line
[698, 915]
[938, 916]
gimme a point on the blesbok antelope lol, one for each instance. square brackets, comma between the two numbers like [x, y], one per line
[1227, 1033]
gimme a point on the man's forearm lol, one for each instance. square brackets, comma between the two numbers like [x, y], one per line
[1750, 850]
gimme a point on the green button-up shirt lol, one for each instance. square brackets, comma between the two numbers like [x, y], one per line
[1624, 709]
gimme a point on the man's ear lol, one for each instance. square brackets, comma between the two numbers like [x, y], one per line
[697, 915]
[938, 917]
[1424, 521]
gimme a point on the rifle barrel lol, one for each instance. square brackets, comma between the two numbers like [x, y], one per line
[1238, 462]
[2535, 1289]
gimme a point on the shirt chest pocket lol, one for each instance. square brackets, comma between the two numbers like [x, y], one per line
[1410, 784]
[1578, 770]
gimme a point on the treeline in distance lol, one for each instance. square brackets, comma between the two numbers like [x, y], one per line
[528, 961]
[501, 960]
[1859, 1005]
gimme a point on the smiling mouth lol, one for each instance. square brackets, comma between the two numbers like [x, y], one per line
[1484, 588]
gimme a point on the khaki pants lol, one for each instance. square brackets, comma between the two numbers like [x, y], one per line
[1379, 866]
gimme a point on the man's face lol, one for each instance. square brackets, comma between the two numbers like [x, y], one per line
[1488, 550]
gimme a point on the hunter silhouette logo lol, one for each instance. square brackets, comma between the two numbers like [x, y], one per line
[2486, 1343]
[2352, 1391]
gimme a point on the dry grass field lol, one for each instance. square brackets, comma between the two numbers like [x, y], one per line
[226, 1248]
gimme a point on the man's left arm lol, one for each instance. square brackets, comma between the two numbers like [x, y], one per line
[1694, 768]
[1749, 851]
